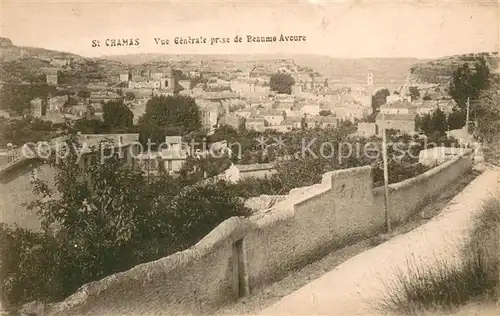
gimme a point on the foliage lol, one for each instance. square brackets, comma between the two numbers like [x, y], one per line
[378, 99]
[251, 187]
[117, 114]
[467, 83]
[197, 210]
[209, 166]
[432, 123]
[456, 119]
[22, 131]
[17, 97]
[171, 115]
[281, 83]
[414, 93]
[488, 113]
[104, 219]
[445, 286]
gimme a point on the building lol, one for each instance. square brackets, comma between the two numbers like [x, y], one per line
[170, 158]
[366, 129]
[38, 107]
[16, 178]
[310, 109]
[51, 76]
[57, 103]
[125, 76]
[322, 121]
[274, 117]
[59, 62]
[103, 96]
[437, 155]
[185, 84]
[209, 111]
[256, 124]
[232, 120]
[404, 123]
[4, 114]
[398, 107]
[294, 122]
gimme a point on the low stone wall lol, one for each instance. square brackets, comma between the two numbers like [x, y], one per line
[241, 255]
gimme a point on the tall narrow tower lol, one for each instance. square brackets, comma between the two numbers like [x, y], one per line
[369, 87]
[369, 79]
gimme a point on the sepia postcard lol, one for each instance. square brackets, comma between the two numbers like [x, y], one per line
[326, 157]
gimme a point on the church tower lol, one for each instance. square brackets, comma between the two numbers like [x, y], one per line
[369, 79]
[369, 87]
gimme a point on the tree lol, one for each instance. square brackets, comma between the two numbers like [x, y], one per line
[467, 83]
[438, 122]
[197, 210]
[281, 83]
[177, 113]
[104, 219]
[117, 114]
[488, 114]
[426, 124]
[456, 119]
[427, 97]
[418, 122]
[414, 93]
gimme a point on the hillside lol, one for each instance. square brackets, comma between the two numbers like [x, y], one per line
[25, 64]
[441, 70]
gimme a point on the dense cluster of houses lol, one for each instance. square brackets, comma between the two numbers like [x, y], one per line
[244, 99]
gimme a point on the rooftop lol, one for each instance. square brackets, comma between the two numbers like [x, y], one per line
[395, 117]
[398, 105]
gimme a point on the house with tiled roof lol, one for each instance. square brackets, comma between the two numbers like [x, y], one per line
[404, 123]
[274, 117]
[399, 107]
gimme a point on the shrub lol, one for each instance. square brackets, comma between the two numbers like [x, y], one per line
[446, 286]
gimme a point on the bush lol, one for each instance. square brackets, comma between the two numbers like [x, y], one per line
[29, 267]
[104, 226]
[445, 286]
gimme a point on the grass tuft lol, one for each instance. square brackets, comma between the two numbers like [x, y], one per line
[448, 285]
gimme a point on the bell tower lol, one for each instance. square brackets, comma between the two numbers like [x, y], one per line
[369, 79]
[369, 87]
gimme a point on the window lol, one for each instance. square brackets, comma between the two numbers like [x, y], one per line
[169, 165]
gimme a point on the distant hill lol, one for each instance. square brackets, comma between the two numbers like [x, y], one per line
[441, 70]
[23, 64]
[11, 52]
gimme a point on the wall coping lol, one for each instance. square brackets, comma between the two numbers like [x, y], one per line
[231, 229]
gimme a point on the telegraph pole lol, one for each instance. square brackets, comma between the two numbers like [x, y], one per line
[386, 176]
[467, 116]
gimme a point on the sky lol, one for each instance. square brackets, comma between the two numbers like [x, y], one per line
[343, 29]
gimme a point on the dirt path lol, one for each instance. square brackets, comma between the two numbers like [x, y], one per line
[269, 295]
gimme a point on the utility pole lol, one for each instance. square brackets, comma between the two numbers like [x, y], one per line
[467, 116]
[386, 176]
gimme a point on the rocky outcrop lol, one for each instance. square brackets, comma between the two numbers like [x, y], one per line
[5, 42]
